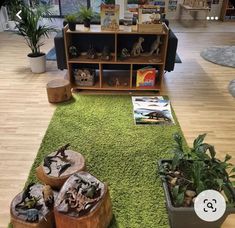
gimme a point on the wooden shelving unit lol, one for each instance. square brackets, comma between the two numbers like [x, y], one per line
[124, 70]
[227, 11]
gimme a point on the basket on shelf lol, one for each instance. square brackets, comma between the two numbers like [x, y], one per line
[84, 77]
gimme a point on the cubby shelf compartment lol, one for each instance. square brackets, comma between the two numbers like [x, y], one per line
[108, 72]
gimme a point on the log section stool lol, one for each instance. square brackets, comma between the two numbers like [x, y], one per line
[56, 181]
[58, 90]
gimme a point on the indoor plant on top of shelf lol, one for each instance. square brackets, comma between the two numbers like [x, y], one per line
[33, 32]
[71, 19]
[85, 14]
[189, 173]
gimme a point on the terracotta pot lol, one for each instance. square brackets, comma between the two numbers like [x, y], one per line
[184, 217]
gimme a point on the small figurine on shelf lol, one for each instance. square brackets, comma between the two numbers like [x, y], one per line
[91, 52]
[137, 47]
[155, 46]
[124, 54]
[117, 83]
[106, 54]
[73, 52]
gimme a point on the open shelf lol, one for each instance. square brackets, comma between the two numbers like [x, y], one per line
[114, 74]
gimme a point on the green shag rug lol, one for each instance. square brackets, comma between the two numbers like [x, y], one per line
[117, 152]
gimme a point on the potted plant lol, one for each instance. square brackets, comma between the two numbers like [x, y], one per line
[33, 32]
[85, 14]
[71, 19]
[189, 173]
[13, 7]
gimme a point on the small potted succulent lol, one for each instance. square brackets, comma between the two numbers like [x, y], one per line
[71, 19]
[85, 14]
[188, 174]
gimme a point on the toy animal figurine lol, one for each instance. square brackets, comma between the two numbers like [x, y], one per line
[26, 195]
[155, 46]
[117, 82]
[124, 54]
[32, 215]
[32, 203]
[63, 169]
[73, 51]
[91, 52]
[47, 163]
[106, 54]
[137, 47]
[158, 115]
[48, 196]
[61, 151]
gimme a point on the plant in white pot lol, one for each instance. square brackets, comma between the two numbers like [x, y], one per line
[33, 32]
[191, 172]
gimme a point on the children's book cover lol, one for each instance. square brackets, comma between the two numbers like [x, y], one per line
[146, 77]
[154, 110]
[109, 16]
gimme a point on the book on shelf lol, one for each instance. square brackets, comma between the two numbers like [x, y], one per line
[109, 17]
[146, 77]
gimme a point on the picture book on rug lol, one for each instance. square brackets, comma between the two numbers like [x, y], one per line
[152, 110]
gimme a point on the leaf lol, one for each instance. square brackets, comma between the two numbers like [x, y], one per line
[175, 191]
[180, 199]
[219, 182]
[227, 157]
[232, 176]
[198, 141]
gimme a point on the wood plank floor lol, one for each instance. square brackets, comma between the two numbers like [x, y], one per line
[197, 89]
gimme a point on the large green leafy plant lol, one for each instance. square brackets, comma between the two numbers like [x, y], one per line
[30, 28]
[196, 170]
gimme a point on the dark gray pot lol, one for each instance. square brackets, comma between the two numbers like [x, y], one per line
[185, 217]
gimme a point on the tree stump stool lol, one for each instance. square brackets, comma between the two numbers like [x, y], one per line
[76, 207]
[46, 216]
[55, 180]
[58, 90]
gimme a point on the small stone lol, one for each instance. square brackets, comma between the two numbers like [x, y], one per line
[177, 173]
[190, 193]
[187, 201]
[173, 181]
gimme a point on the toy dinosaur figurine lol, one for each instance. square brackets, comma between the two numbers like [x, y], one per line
[137, 47]
[47, 162]
[155, 46]
[106, 54]
[32, 215]
[61, 151]
[63, 169]
[32, 203]
[91, 52]
[48, 196]
[26, 195]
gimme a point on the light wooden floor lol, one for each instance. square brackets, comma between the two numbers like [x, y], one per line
[197, 89]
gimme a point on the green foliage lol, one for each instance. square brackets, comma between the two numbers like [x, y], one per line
[13, 7]
[71, 18]
[109, 1]
[201, 168]
[31, 30]
[85, 13]
[117, 152]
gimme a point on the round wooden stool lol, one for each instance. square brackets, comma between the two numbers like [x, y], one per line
[58, 90]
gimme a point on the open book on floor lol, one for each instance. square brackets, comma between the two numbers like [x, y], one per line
[153, 110]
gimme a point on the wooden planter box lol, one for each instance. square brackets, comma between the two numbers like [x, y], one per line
[18, 221]
[57, 182]
[180, 217]
[98, 217]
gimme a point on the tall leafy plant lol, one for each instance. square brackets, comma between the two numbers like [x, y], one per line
[197, 170]
[31, 30]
